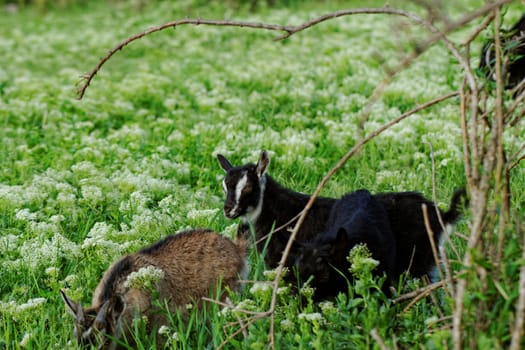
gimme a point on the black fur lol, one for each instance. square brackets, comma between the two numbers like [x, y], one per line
[279, 206]
[356, 218]
[393, 227]
[405, 213]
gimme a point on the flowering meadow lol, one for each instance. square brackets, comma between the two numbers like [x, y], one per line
[83, 182]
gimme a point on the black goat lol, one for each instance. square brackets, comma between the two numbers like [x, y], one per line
[391, 224]
[261, 202]
[264, 204]
[513, 56]
[407, 221]
[355, 219]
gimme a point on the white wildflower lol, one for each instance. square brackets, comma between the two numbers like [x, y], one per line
[31, 303]
[327, 307]
[312, 317]
[196, 214]
[52, 271]
[431, 320]
[56, 219]
[25, 340]
[92, 194]
[261, 288]
[84, 169]
[145, 278]
[272, 274]
[25, 215]
[283, 290]
[164, 330]
[287, 325]
[307, 291]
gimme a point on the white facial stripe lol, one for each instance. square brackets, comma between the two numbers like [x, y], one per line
[238, 191]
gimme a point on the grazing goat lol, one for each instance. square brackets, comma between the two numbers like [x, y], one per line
[355, 219]
[264, 204]
[188, 265]
[513, 59]
[393, 227]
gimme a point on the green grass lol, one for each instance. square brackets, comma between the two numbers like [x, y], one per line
[84, 182]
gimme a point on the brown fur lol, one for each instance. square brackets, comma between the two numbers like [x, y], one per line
[194, 263]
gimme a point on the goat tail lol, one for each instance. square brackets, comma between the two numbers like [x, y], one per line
[458, 202]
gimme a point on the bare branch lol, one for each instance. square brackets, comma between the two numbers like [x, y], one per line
[379, 341]
[290, 30]
[517, 161]
[423, 290]
[86, 78]
[430, 234]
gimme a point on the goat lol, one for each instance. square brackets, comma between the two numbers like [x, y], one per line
[191, 263]
[513, 51]
[262, 203]
[356, 218]
[392, 225]
[407, 221]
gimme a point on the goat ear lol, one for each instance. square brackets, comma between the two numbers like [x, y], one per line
[101, 320]
[224, 163]
[262, 164]
[71, 305]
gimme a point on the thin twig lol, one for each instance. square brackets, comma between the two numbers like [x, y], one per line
[422, 290]
[285, 225]
[498, 139]
[430, 234]
[86, 78]
[516, 162]
[486, 22]
[430, 288]
[448, 271]
[248, 323]
[290, 30]
[434, 199]
[379, 341]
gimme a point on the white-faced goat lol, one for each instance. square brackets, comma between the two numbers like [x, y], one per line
[188, 266]
[262, 203]
[392, 225]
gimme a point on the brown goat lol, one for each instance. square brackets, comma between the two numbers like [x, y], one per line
[187, 266]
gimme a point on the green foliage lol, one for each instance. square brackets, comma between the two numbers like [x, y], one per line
[84, 182]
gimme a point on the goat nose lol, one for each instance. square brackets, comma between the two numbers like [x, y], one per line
[228, 206]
